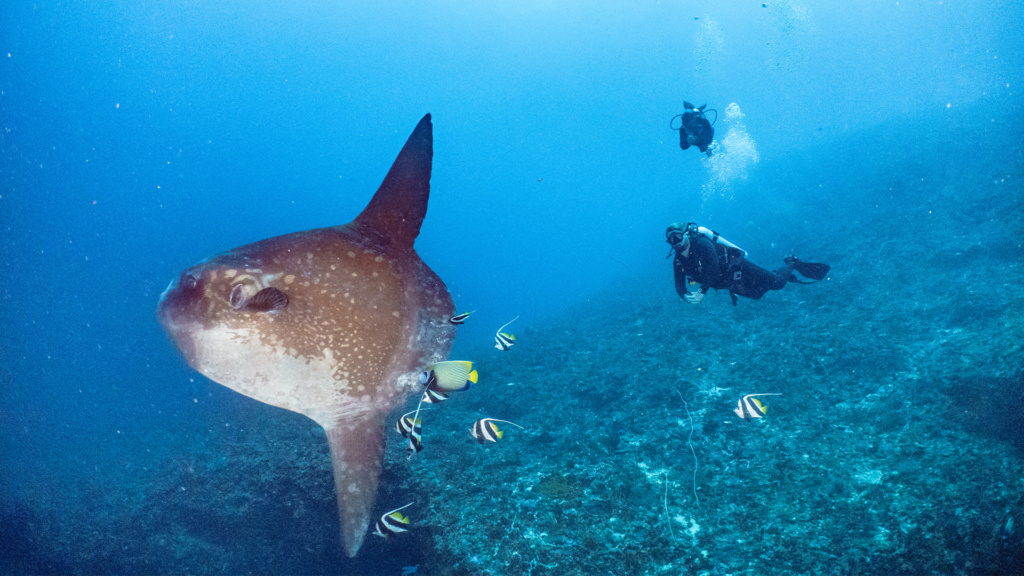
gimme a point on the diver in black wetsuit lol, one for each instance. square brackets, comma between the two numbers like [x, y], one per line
[711, 261]
[694, 128]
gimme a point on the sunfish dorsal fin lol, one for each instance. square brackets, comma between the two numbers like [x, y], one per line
[394, 215]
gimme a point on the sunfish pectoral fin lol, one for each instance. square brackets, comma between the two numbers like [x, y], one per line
[267, 300]
[357, 453]
[397, 209]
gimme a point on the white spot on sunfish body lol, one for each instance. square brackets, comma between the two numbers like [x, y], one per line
[278, 376]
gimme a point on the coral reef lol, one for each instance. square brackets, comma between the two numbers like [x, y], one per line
[895, 447]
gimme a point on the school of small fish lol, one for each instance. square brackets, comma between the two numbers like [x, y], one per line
[440, 379]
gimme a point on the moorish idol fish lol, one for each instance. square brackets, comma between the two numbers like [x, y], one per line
[415, 442]
[504, 340]
[460, 318]
[440, 378]
[405, 425]
[449, 376]
[431, 396]
[485, 429]
[392, 522]
[750, 407]
[411, 431]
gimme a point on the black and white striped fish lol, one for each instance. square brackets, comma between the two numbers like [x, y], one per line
[485, 429]
[405, 425]
[431, 396]
[750, 407]
[392, 522]
[439, 379]
[415, 442]
[505, 340]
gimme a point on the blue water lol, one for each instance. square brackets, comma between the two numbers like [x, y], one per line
[141, 137]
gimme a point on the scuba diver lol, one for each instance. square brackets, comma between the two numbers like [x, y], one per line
[706, 260]
[694, 128]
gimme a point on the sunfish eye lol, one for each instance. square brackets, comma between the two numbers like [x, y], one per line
[237, 296]
[241, 293]
[190, 282]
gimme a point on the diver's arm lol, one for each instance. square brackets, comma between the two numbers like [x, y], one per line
[696, 296]
[711, 268]
[681, 287]
[683, 284]
[708, 268]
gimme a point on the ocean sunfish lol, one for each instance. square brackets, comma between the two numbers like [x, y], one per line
[335, 323]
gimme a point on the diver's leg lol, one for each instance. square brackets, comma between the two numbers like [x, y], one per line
[756, 281]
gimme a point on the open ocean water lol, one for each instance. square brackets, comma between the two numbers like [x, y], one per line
[881, 137]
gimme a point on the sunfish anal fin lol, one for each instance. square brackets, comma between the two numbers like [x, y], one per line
[357, 451]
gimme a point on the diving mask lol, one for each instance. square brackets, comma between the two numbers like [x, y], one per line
[675, 234]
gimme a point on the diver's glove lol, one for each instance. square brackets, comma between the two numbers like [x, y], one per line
[694, 297]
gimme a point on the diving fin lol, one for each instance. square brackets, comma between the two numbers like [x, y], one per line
[811, 270]
[687, 105]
